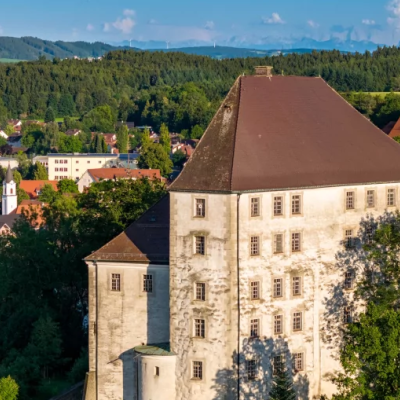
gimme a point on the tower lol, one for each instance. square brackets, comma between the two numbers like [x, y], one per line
[9, 198]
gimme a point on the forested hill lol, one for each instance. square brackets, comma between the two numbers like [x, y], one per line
[178, 89]
[30, 48]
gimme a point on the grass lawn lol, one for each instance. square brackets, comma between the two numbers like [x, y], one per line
[9, 60]
[61, 119]
[381, 94]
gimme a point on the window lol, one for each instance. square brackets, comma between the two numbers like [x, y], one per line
[254, 328]
[56, 169]
[297, 321]
[278, 206]
[255, 206]
[55, 161]
[298, 361]
[350, 201]
[348, 280]
[278, 324]
[148, 283]
[197, 370]
[56, 178]
[88, 162]
[200, 210]
[296, 204]
[347, 317]
[348, 239]
[77, 170]
[11, 191]
[278, 364]
[115, 282]
[65, 161]
[65, 169]
[99, 162]
[278, 243]
[391, 197]
[77, 161]
[296, 286]
[296, 241]
[255, 290]
[200, 293]
[369, 233]
[278, 287]
[199, 328]
[370, 198]
[255, 245]
[156, 371]
[251, 368]
[200, 244]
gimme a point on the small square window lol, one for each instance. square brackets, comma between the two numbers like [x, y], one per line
[296, 286]
[369, 233]
[370, 198]
[255, 206]
[296, 204]
[148, 283]
[88, 162]
[255, 245]
[200, 244]
[255, 290]
[116, 282]
[77, 161]
[348, 239]
[278, 287]
[199, 328]
[254, 328]
[298, 362]
[347, 315]
[278, 324]
[278, 364]
[200, 293]
[391, 197]
[297, 321]
[278, 243]
[350, 204]
[156, 371]
[197, 370]
[278, 206]
[348, 280]
[251, 368]
[296, 241]
[200, 210]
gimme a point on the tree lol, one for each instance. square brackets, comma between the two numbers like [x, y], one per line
[21, 195]
[24, 164]
[153, 156]
[122, 139]
[197, 132]
[70, 144]
[9, 130]
[67, 186]
[49, 116]
[48, 194]
[282, 386]
[40, 172]
[178, 158]
[165, 140]
[9, 389]
[100, 119]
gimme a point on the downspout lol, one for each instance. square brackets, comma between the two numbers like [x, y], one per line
[238, 295]
[96, 331]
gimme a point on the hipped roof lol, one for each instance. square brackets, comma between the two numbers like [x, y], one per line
[285, 133]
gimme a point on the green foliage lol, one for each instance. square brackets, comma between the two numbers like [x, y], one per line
[40, 172]
[69, 144]
[122, 139]
[9, 130]
[21, 195]
[17, 177]
[48, 194]
[80, 367]
[154, 156]
[3, 141]
[282, 386]
[397, 139]
[9, 389]
[178, 158]
[49, 116]
[100, 119]
[67, 186]
[197, 132]
[24, 165]
[98, 144]
[165, 140]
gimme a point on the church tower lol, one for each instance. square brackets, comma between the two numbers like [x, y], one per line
[9, 198]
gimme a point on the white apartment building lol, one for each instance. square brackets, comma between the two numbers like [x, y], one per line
[251, 246]
[74, 165]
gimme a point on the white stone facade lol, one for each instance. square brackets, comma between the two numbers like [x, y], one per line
[9, 197]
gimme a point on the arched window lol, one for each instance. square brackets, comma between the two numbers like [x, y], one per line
[11, 191]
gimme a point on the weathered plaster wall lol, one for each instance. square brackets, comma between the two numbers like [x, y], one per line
[322, 224]
[125, 319]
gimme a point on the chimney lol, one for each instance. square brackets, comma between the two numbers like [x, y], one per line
[264, 70]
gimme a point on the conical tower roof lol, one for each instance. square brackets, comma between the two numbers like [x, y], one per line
[9, 175]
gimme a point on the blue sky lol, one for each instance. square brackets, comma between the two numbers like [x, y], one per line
[204, 21]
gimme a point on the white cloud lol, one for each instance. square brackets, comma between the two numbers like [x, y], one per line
[312, 24]
[394, 8]
[274, 19]
[210, 25]
[368, 22]
[129, 13]
[90, 27]
[107, 27]
[125, 25]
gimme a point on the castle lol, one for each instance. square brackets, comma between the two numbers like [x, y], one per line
[229, 277]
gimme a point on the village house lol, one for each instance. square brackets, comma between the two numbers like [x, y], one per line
[232, 274]
[73, 132]
[3, 134]
[34, 187]
[16, 124]
[44, 160]
[100, 174]
[8, 161]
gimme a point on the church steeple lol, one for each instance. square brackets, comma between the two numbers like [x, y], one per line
[9, 198]
[9, 174]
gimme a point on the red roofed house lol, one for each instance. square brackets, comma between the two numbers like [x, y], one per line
[16, 124]
[100, 174]
[395, 130]
[34, 187]
[73, 132]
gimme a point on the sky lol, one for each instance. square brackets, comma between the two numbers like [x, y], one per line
[208, 21]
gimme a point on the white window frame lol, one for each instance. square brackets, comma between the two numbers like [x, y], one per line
[252, 369]
[199, 328]
[298, 362]
[300, 204]
[350, 206]
[199, 212]
[282, 206]
[293, 240]
[275, 290]
[299, 287]
[115, 282]
[255, 328]
[200, 248]
[368, 203]
[278, 320]
[255, 245]
[147, 283]
[200, 288]
[255, 207]
[297, 316]
[255, 290]
[392, 190]
[275, 243]
[197, 369]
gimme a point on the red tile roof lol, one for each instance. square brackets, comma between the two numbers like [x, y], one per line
[284, 133]
[34, 186]
[395, 131]
[113, 173]
[31, 208]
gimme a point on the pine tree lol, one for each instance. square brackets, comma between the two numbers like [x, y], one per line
[165, 140]
[282, 386]
[146, 138]
[99, 144]
[104, 145]
[49, 116]
[122, 139]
